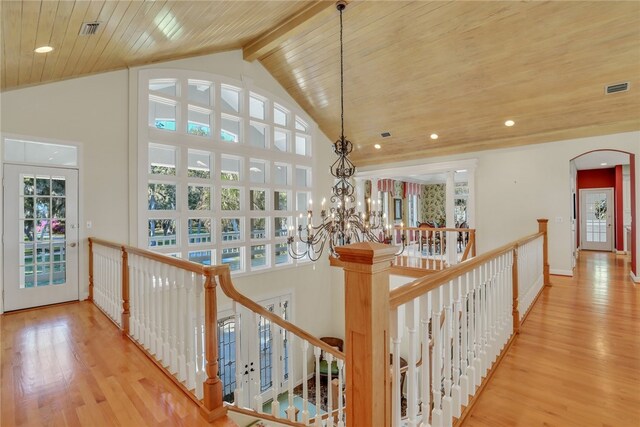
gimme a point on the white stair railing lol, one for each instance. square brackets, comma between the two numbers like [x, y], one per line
[450, 328]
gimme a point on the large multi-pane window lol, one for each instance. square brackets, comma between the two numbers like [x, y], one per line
[224, 170]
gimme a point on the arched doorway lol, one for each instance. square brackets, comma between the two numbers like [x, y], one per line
[603, 192]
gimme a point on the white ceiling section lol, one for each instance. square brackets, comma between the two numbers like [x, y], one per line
[595, 160]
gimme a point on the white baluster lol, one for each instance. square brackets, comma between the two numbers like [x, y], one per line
[340, 393]
[199, 315]
[148, 286]
[412, 315]
[276, 370]
[305, 383]
[464, 339]
[447, 411]
[316, 353]
[173, 319]
[455, 389]
[291, 409]
[329, 358]
[238, 393]
[425, 385]
[436, 413]
[395, 329]
[257, 377]
[165, 355]
[182, 314]
[191, 330]
[477, 328]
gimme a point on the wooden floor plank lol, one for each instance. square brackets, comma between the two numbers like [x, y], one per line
[68, 365]
[576, 361]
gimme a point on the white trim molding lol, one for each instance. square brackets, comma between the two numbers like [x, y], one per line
[560, 272]
[634, 278]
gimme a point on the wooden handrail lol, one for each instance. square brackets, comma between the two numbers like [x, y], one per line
[165, 259]
[227, 287]
[412, 290]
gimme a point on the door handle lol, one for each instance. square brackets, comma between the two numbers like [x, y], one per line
[73, 245]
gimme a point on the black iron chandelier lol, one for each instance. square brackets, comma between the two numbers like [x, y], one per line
[341, 224]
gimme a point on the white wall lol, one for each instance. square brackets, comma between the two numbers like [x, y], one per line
[90, 111]
[100, 113]
[516, 186]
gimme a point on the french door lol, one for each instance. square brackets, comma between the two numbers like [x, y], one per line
[257, 352]
[40, 236]
[596, 219]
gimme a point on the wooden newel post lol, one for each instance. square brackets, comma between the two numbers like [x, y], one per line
[514, 282]
[366, 273]
[542, 228]
[212, 405]
[125, 291]
[90, 269]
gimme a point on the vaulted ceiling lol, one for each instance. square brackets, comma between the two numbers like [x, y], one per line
[457, 69]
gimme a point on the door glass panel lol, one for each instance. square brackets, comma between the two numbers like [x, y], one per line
[27, 204]
[42, 207]
[43, 186]
[57, 186]
[27, 235]
[227, 356]
[28, 185]
[58, 205]
[596, 220]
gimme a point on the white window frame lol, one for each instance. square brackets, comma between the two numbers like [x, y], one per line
[182, 141]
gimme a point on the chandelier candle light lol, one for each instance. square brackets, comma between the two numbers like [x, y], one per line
[341, 224]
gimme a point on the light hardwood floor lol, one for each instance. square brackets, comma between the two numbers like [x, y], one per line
[577, 359]
[67, 365]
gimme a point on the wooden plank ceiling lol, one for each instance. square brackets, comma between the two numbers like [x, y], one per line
[458, 69]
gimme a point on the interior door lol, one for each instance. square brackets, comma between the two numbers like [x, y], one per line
[40, 236]
[596, 219]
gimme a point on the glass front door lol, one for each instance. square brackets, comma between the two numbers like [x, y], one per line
[596, 225]
[41, 236]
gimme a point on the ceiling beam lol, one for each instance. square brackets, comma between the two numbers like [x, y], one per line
[267, 42]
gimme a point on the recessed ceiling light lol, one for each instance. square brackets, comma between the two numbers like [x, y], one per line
[434, 136]
[377, 146]
[43, 49]
[603, 164]
[509, 123]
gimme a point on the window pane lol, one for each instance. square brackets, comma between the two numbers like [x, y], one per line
[201, 257]
[27, 207]
[258, 135]
[199, 164]
[256, 108]
[281, 140]
[230, 99]
[230, 230]
[232, 257]
[58, 207]
[257, 171]
[281, 226]
[230, 169]
[280, 200]
[43, 207]
[281, 174]
[302, 177]
[59, 273]
[258, 200]
[230, 199]
[162, 160]
[28, 187]
[258, 256]
[302, 145]
[57, 186]
[301, 124]
[282, 254]
[28, 231]
[43, 186]
[200, 92]
[258, 228]
[279, 115]
[162, 115]
[230, 129]
[199, 231]
[162, 196]
[302, 201]
[162, 232]
[199, 198]
[199, 122]
[165, 86]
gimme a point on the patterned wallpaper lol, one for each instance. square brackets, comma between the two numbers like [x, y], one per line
[432, 203]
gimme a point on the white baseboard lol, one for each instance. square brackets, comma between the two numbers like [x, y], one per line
[636, 279]
[558, 272]
[621, 252]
